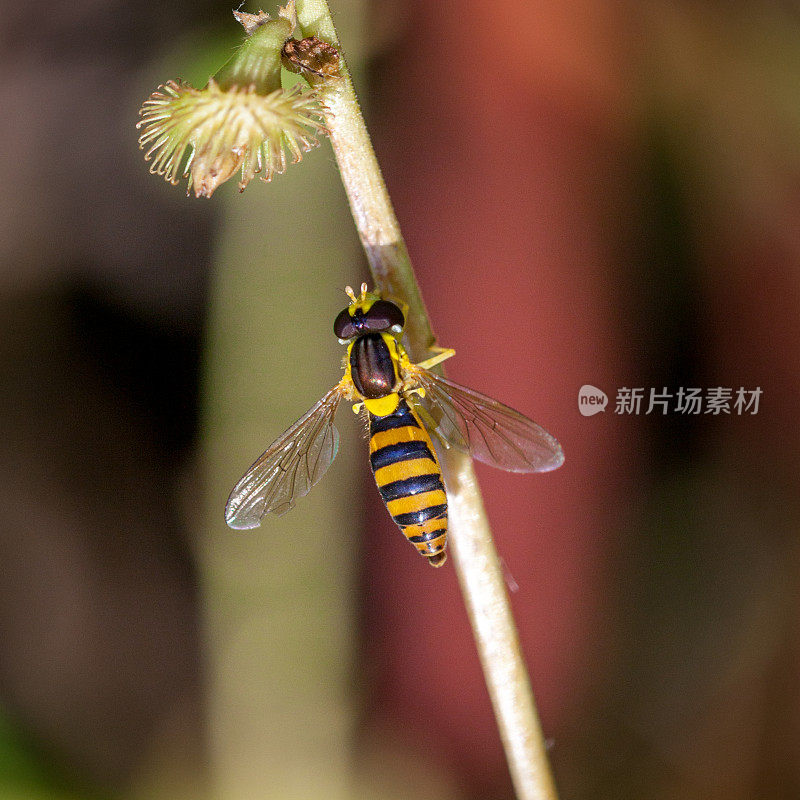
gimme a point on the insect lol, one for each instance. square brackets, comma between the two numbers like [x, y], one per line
[403, 404]
[310, 56]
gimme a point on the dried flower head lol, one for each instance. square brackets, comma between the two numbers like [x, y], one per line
[225, 130]
[243, 119]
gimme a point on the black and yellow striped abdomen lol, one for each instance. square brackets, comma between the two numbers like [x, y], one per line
[409, 479]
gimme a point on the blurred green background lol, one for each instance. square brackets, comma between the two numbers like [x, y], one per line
[592, 193]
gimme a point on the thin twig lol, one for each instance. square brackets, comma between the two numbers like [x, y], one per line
[471, 543]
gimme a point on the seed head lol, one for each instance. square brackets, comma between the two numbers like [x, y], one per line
[243, 119]
[208, 134]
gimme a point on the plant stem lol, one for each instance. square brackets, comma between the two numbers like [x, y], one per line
[471, 544]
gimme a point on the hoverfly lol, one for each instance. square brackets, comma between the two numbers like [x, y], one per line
[403, 404]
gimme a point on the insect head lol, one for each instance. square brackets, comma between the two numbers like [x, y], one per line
[367, 313]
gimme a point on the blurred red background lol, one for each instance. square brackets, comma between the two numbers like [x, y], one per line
[592, 193]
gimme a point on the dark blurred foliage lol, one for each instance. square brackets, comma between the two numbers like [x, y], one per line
[592, 192]
[103, 294]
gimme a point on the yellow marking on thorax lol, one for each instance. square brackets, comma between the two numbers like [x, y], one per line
[382, 406]
[346, 364]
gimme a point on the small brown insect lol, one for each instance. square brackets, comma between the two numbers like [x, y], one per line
[311, 55]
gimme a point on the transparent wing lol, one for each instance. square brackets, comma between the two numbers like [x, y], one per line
[484, 428]
[294, 462]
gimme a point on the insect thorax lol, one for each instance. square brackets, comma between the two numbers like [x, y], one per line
[373, 366]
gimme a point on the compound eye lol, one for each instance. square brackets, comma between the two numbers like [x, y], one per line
[344, 326]
[383, 316]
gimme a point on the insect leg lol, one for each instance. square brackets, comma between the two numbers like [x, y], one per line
[442, 354]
